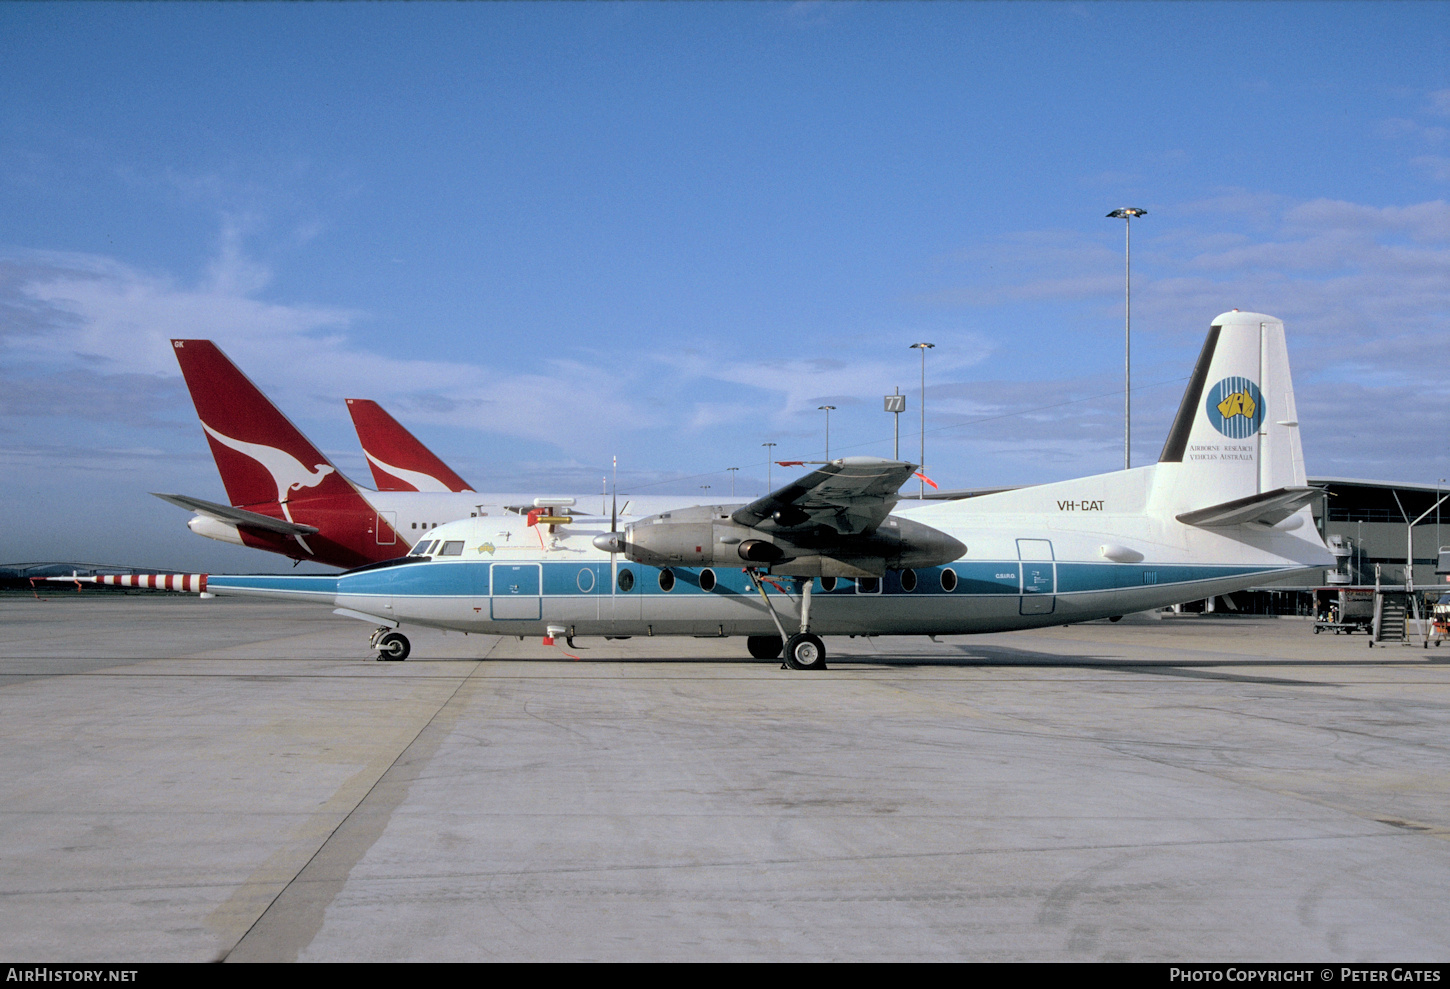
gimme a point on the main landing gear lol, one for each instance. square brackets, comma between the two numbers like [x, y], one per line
[763, 646]
[390, 645]
[803, 651]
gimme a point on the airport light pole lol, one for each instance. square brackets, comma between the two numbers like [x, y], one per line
[827, 410]
[896, 404]
[923, 347]
[1438, 499]
[1126, 214]
[732, 471]
[769, 456]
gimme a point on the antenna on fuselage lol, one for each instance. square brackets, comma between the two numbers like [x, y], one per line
[612, 543]
[614, 530]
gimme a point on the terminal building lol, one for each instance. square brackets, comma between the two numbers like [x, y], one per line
[1369, 526]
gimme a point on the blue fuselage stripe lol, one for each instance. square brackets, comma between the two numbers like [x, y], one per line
[593, 579]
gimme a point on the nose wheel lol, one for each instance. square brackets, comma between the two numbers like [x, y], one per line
[391, 646]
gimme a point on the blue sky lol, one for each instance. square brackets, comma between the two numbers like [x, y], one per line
[545, 234]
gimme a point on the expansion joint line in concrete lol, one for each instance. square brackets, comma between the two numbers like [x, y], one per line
[299, 930]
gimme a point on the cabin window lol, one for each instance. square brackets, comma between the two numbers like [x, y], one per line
[415, 525]
[908, 580]
[828, 584]
[868, 585]
[667, 580]
[453, 547]
[948, 580]
[626, 580]
[707, 579]
[585, 580]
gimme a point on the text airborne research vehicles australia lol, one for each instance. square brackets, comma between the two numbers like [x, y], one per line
[1224, 508]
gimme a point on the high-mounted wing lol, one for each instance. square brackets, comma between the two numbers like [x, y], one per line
[835, 521]
[238, 516]
[852, 495]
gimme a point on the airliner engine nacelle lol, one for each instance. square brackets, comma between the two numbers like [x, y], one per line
[707, 536]
[211, 528]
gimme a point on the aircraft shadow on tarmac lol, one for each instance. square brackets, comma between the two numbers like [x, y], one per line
[952, 655]
[1203, 669]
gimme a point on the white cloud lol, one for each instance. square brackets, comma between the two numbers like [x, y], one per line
[116, 322]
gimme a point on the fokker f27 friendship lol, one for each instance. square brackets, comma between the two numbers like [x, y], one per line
[1224, 508]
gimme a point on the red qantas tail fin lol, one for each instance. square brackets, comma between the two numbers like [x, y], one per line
[262, 457]
[399, 462]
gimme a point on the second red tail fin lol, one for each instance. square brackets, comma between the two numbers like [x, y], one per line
[398, 461]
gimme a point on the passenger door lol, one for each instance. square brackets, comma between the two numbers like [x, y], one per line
[1037, 573]
[516, 591]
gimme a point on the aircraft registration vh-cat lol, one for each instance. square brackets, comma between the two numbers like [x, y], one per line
[1224, 508]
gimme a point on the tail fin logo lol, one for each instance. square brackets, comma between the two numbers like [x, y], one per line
[1235, 407]
[419, 480]
[289, 473]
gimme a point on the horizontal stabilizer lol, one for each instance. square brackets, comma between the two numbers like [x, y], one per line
[237, 516]
[1268, 508]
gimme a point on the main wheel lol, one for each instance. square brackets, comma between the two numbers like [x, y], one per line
[393, 646]
[763, 646]
[805, 652]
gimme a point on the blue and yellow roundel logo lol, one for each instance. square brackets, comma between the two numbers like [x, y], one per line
[1235, 407]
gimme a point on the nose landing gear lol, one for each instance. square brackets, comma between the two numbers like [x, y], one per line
[391, 646]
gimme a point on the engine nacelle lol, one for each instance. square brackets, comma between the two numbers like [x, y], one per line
[705, 536]
[205, 525]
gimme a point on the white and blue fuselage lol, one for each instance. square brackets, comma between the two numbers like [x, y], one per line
[1084, 557]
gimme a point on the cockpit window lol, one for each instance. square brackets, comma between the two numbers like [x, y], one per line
[423, 547]
[453, 547]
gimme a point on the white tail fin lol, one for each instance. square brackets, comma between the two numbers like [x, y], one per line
[1236, 434]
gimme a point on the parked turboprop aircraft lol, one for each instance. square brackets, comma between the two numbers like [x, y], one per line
[286, 497]
[1224, 508]
[398, 461]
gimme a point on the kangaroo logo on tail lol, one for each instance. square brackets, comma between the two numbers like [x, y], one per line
[289, 473]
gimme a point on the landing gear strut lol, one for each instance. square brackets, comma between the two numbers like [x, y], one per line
[391, 645]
